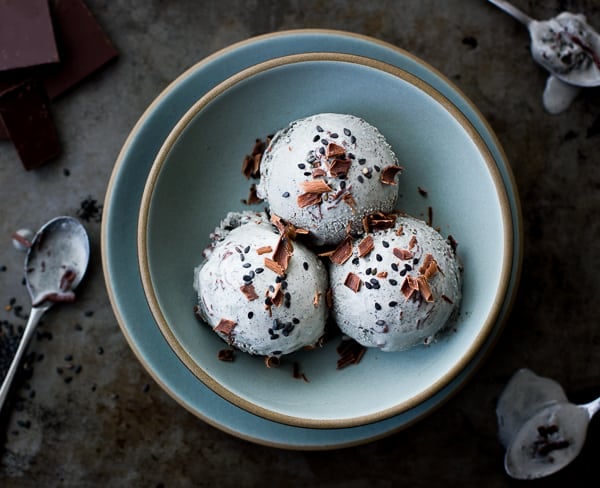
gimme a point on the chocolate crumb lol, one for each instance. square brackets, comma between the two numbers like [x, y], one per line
[350, 352]
[226, 355]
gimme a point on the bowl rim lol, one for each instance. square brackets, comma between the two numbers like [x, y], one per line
[146, 275]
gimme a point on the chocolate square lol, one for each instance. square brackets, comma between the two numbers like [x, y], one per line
[84, 47]
[26, 116]
[26, 34]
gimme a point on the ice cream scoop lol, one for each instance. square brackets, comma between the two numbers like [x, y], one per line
[325, 172]
[541, 430]
[567, 47]
[259, 290]
[397, 287]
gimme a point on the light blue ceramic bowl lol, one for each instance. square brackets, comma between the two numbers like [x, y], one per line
[196, 179]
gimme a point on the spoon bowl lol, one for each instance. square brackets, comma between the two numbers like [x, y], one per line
[55, 264]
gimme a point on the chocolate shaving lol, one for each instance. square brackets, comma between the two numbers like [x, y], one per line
[316, 298]
[272, 361]
[335, 150]
[297, 374]
[429, 267]
[225, 326]
[329, 298]
[353, 282]
[340, 167]
[253, 197]
[422, 191]
[350, 352]
[20, 239]
[67, 279]
[424, 288]
[308, 199]
[342, 252]
[388, 174]
[226, 355]
[318, 172]
[264, 250]
[349, 200]
[378, 221]
[365, 246]
[400, 230]
[283, 252]
[447, 299]
[403, 254]
[315, 186]
[382, 274]
[251, 163]
[429, 216]
[55, 297]
[409, 286]
[274, 266]
[249, 291]
[413, 242]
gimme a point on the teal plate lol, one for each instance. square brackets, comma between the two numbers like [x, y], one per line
[119, 237]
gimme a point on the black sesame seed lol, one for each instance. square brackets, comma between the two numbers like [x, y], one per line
[305, 265]
[246, 265]
[393, 304]
[242, 258]
[250, 315]
[378, 257]
[342, 184]
[325, 142]
[403, 272]
[353, 140]
[377, 306]
[393, 282]
[296, 321]
[376, 168]
[395, 266]
[360, 179]
[247, 278]
[274, 336]
[351, 156]
[374, 281]
[368, 271]
[355, 260]
[284, 285]
[287, 295]
[307, 173]
[380, 322]
[285, 194]
[334, 135]
[246, 249]
[385, 243]
[347, 132]
[408, 267]
[259, 270]
[319, 128]
[89, 313]
[316, 138]
[278, 279]
[416, 261]
[362, 161]
[68, 357]
[368, 285]
[301, 165]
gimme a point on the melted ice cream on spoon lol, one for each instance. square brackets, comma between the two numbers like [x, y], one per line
[568, 48]
[541, 430]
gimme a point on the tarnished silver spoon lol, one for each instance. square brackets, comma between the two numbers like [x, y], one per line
[567, 47]
[55, 264]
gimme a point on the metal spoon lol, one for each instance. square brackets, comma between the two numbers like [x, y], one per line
[55, 264]
[542, 431]
[567, 47]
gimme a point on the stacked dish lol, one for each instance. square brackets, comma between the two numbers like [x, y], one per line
[219, 107]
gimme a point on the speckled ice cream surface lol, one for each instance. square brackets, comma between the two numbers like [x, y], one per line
[380, 314]
[234, 271]
[299, 154]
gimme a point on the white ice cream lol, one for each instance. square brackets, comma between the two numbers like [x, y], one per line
[387, 310]
[343, 151]
[249, 305]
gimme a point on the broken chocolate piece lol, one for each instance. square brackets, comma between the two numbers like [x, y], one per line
[227, 355]
[402, 254]
[365, 246]
[342, 252]
[249, 291]
[26, 34]
[26, 115]
[225, 326]
[388, 174]
[350, 352]
[83, 46]
[353, 282]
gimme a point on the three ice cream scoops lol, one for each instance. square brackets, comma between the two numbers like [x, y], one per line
[330, 248]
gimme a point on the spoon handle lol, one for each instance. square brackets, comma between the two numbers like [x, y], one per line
[512, 11]
[592, 407]
[34, 318]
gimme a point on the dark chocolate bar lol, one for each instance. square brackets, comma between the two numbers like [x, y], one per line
[25, 113]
